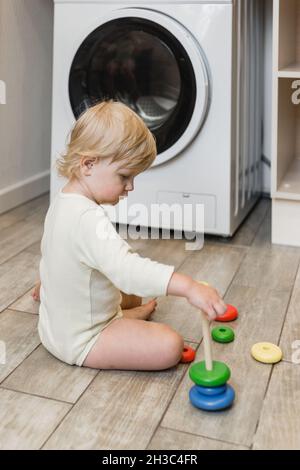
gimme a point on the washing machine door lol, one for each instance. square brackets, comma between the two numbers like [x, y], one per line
[151, 63]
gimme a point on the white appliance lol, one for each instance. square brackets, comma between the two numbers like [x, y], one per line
[192, 70]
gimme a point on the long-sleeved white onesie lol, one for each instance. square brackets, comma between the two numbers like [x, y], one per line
[84, 265]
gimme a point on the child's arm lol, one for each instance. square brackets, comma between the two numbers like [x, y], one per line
[203, 297]
[100, 247]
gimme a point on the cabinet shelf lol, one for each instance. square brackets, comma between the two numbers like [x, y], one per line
[288, 33]
[290, 71]
[289, 188]
[286, 157]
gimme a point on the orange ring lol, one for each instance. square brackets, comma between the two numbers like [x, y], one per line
[230, 315]
[188, 354]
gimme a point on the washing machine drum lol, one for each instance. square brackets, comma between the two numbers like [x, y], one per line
[142, 64]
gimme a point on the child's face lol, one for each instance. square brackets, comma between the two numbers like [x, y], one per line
[107, 181]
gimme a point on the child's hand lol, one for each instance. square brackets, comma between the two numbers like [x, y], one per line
[207, 299]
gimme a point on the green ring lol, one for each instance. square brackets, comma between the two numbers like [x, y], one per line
[209, 378]
[222, 334]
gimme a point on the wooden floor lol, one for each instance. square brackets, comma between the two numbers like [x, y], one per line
[46, 404]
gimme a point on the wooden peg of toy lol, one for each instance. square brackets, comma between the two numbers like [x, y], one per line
[207, 342]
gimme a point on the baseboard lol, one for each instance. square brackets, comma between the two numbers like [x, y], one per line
[24, 191]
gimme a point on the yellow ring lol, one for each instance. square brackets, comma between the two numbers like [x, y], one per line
[267, 353]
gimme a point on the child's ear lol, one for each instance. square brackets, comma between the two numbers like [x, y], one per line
[87, 164]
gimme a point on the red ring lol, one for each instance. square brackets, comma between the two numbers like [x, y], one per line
[230, 314]
[188, 354]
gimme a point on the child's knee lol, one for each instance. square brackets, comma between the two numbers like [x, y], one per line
[173, 347]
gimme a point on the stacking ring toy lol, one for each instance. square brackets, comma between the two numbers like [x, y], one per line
[222, 334]
[231, 314]
[267, 353]
[216, 377]
[188, 354]
[211, 391]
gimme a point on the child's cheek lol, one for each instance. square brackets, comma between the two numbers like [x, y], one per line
[115, 190]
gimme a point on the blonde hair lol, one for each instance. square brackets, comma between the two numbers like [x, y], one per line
[108, 129]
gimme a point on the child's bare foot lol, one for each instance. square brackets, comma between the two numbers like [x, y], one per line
[36, 292]
[142, 312]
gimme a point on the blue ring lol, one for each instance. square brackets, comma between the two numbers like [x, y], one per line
[211, 391]
[212, 403]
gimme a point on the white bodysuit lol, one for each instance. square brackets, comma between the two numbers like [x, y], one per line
[84, 265]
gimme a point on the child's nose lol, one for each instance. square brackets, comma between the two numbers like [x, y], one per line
[129, 186]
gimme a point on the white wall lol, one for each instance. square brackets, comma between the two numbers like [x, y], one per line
[26, 28]
[267, 94]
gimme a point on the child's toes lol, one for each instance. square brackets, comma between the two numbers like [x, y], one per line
[35, 295]
[150, 306]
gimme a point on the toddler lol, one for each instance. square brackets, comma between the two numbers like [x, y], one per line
[91, 281]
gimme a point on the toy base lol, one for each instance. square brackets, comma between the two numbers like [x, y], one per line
[213, 402]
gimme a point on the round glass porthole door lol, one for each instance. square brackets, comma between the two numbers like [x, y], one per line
[141, 63]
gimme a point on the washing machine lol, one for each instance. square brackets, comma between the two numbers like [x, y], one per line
[193, 71]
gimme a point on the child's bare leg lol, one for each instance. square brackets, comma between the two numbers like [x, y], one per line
[132, 307]
[130, 344]
[131, 304]
[36, 291]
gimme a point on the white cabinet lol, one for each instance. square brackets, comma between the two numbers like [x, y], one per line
[286, 123]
